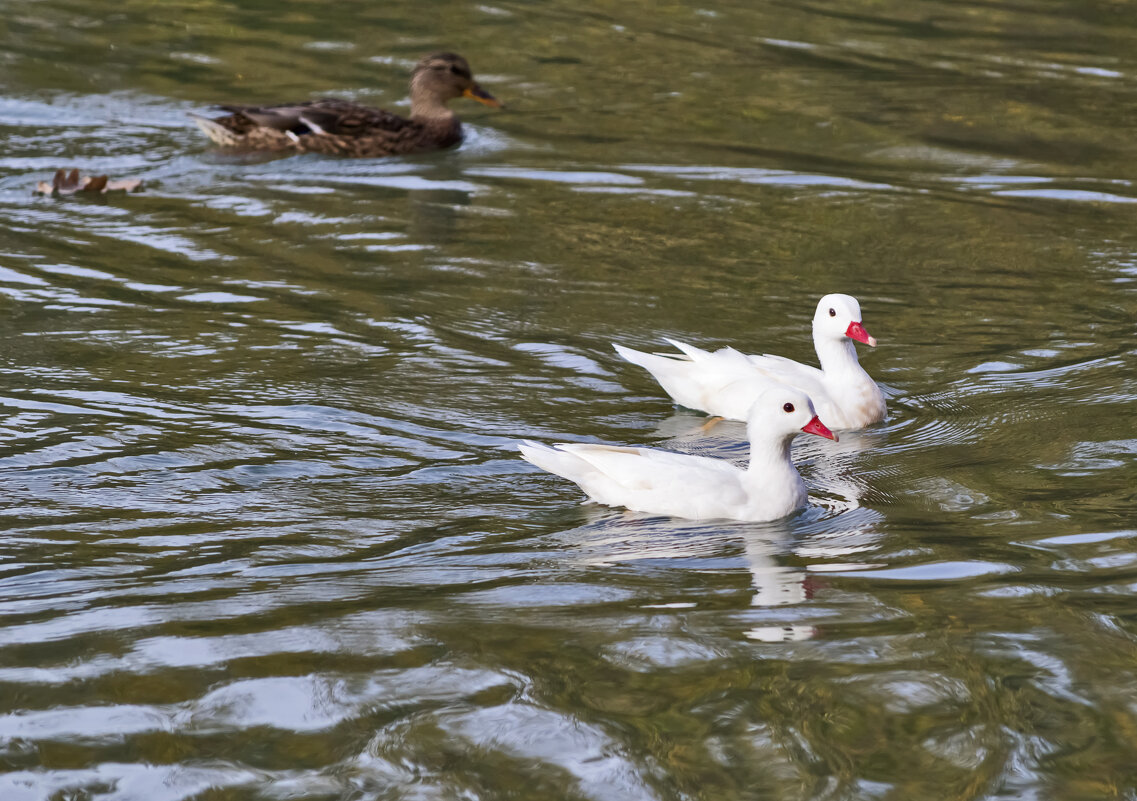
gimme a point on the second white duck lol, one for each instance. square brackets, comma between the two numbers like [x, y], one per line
[725, 382]
[697, 487]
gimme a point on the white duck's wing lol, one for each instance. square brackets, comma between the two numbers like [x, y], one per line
[571, 461]
[646, 480]
[722, 358]
[642, 468]
[806, 378]
[660, 482]
[721, 382]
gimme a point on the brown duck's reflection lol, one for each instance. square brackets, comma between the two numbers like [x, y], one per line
[434, 213]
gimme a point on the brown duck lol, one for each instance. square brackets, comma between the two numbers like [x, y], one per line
[342, 128]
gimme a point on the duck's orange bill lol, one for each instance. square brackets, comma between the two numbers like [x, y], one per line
[815, 426]
[476, 92]
[857, 331]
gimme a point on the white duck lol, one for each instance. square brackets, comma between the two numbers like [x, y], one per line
[697, 487]
[725, 382]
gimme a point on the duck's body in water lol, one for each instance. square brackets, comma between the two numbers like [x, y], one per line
[725, 382]
[697, 487]
[343, 128]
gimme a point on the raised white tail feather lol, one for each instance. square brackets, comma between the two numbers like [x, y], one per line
[690, 351]
[720, 382]
[648, 361]
[549, 459]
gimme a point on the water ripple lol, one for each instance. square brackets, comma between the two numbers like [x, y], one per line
[265, 530]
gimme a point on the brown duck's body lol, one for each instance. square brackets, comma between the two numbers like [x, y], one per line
[342, 128]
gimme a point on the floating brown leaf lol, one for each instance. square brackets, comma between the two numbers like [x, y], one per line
[68, 183]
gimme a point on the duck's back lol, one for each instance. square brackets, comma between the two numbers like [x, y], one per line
[333, 126]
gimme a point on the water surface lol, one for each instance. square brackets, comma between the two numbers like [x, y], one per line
[265, 533]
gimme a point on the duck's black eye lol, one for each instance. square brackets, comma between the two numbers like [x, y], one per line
[789, 407]
[455, 70]
[832, 313]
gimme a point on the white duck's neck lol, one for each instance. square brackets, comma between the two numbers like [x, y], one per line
[771, 479]
[769, 453]
[837, 356]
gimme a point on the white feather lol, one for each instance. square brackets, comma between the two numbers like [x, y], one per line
[694, 487]
[313, 126]
[725, 382]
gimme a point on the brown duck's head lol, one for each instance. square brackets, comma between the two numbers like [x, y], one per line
[441, 77]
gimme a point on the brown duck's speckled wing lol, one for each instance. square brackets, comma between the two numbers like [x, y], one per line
[327, 115]
[334, 126]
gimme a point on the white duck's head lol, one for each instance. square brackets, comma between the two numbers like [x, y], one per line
[780, 411]
[839, 317]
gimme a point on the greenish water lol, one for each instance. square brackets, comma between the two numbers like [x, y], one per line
[265, 533]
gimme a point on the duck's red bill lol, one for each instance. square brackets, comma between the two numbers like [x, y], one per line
[857, 331]
[815, 426]
[476, 92]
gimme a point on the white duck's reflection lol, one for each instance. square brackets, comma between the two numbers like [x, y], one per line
[612, 538]
[775, 585]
